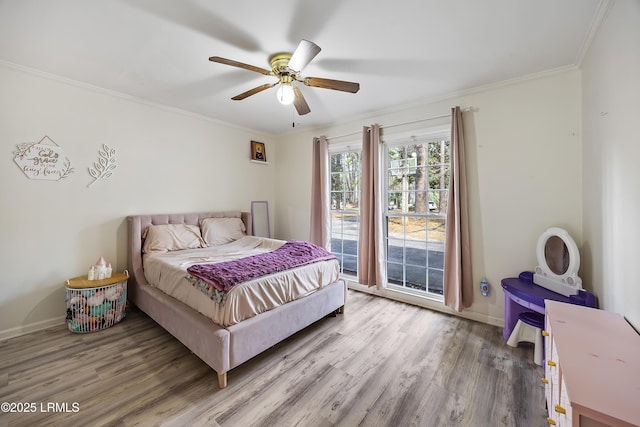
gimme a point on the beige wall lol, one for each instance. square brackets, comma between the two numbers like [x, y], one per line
[524, 156]
[610, 110]
[555, 150]
[168, 161]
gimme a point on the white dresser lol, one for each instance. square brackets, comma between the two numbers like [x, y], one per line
[592, 369]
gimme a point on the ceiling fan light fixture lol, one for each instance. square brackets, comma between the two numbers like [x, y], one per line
[287, 67]
[285, 94]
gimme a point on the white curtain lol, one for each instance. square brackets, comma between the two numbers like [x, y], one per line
[320, 194]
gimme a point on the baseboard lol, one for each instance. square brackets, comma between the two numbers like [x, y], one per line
[31, 327]
[427, 303]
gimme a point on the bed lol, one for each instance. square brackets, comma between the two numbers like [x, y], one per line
[223, 339]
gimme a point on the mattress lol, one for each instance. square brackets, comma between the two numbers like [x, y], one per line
[168, 272]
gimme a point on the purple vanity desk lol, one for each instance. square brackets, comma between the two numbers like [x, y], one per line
[521, 294]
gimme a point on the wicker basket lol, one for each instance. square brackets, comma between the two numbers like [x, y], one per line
[91, 309]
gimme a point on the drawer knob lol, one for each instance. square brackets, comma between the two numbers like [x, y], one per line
[545, 333]
[559, 409]
[551, 422]
[545, 381]
[551, 363]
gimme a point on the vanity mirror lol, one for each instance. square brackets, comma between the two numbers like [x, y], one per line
[558, 262]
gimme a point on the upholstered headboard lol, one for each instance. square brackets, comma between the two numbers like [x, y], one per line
[137, 224]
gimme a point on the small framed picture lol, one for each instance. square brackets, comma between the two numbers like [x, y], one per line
[258, 152]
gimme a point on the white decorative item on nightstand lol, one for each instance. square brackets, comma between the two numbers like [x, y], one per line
[101, 270]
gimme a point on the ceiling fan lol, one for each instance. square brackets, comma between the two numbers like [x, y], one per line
[287, 67]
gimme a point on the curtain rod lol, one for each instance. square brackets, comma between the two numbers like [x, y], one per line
[441, 116]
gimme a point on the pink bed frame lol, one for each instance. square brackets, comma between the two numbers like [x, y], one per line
[221, 348]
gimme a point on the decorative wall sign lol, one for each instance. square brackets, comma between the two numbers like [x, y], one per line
[43, 160]
[103, 168]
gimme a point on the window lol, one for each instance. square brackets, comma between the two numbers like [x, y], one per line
[417, 180]
[345, 209]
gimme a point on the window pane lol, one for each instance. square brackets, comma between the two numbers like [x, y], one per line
[349, 263]
[336, 245]
[351, 201]
[435, 281]
[393, 200]
[395, 273]
[416, 228]
[345, 205]
[416, 253]
[395, 250]
[395, 184]
[416, 277]
[436, 232]
[416, 186]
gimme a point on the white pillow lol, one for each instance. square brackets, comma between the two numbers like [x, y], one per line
[218, 231]
[172, 237]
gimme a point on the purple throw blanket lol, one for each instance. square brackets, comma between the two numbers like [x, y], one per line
[224, 275]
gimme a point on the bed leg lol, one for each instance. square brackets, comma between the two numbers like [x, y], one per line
[341, 310]
[222, 380]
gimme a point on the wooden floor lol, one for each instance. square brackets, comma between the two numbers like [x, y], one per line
[382, 363]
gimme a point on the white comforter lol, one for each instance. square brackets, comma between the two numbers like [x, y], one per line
[167, 272]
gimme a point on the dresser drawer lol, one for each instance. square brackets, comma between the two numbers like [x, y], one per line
[563, 407]
[591, 367]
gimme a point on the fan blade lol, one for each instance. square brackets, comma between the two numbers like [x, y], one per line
[332, 84]
[240, 65]
[253, 91]
[299, 102]
[303, 54]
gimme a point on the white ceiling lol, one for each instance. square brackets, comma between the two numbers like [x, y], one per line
[402, 52]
